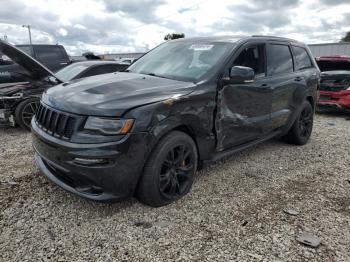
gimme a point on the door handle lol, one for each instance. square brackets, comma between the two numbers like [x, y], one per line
[298, 78]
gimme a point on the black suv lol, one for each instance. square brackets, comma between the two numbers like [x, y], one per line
[144, 132]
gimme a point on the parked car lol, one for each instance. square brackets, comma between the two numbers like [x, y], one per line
[144, 132]
[19, 100]
[53, 57]
[89, 68]
[335, 82]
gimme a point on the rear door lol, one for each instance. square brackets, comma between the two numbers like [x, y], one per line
[283, 82]
[244, 109]
[306, 70]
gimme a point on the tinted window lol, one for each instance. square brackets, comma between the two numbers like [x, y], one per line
[253, 57]
[302, 58]
[69, 72]
[119, 68]
[279, 60]
[48, 52]
[96, 70]
[25, 49]
[108, 69]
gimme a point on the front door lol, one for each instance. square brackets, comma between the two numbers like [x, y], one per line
[243, 111]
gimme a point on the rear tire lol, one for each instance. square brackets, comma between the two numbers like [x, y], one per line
[301, 129]
[168, 173]
[25, 111]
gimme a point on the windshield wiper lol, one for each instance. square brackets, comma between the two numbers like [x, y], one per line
[153, 74]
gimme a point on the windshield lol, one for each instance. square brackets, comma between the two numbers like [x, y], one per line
[181, 60]
[69, 72]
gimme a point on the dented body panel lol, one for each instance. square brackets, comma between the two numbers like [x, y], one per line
[243, 114]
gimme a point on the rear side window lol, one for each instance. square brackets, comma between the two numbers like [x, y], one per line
[302, 59]
[119, 68]
[108, 69]
[279, 59]
[103, 69]
[49, 52]
[98, 70]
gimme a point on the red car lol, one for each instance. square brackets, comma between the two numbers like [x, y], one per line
[335, 82]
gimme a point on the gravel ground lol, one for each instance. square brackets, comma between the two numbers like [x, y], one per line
[234, 211]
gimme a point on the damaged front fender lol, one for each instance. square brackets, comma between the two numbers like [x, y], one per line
[190, 114]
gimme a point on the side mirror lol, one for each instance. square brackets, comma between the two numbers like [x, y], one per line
[241, 75]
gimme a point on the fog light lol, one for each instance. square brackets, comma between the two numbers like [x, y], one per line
[90, 161]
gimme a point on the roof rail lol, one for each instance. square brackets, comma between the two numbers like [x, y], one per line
[276, 37]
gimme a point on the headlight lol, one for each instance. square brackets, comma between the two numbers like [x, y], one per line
[109, 126]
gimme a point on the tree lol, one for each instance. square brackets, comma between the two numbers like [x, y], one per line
[346, 38]
[174, 36]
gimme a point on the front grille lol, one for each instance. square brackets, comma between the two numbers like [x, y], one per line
[56, 123]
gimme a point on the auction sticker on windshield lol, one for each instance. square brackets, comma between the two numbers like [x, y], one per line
[199, 47]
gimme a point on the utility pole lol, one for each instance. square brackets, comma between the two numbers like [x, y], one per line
[30, 34]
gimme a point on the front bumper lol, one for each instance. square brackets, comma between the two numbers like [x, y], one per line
[340, 100]
[73, 166]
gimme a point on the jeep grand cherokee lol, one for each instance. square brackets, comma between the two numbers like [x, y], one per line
[144, 132]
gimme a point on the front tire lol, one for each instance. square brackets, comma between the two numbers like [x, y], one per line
[168, 173]
[25, 111]
[301, 129]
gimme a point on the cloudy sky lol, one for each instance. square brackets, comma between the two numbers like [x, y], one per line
[105, 26]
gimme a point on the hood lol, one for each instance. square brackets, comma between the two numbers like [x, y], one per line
[334, 65]
[113, 94]
[37, 70]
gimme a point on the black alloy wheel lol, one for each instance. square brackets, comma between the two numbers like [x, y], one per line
[175, 174]
[168, 173]
[301, 129]
[305, 122]
[25, 111]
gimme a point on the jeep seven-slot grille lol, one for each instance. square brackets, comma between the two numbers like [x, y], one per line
[54, 122]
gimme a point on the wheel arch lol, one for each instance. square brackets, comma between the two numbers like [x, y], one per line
[190, 126]
[311, 100]
[182, 127]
